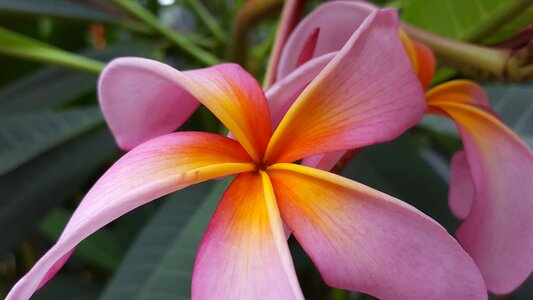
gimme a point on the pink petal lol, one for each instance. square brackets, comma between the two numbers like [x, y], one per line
[461, 193]
[151, 170]
[336, 21]
[364, 240]
[140, 100]
[228, 91]
[283, 93]
[289, 19]
[244, 253]
[309, 48]
[324, 161]
[498, 231]
[367, 94]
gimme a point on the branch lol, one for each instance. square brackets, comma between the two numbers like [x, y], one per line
[477, 61]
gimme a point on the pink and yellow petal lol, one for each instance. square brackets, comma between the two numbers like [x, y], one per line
[364, 240]
[459, 91]
[140, 92]
[498, 230]
[151, 170]
[284, 92]
[238, 101]
[244, 252]
[367, 94]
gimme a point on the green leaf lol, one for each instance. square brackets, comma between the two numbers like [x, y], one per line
[389, 168]
[25, 136]
[100, 249]
[511, 28]
[32, 190]
[68, 288]
[21, 46]
[52, 86]
[159, 264]
[179, 40]
[513, 104]
[48, 87]
[55, 8]
[464, 20]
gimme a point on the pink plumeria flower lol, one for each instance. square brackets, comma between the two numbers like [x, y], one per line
[491, 179]
[359, 239]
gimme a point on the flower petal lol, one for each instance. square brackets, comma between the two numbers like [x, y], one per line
[364, 240]
[498, 231]
[325, 161]
[289, 19]
[461, 193]
[459, 91]
[426, 64]
[284, 92]
[421, 57]
[136, 92]
[336, 23]
[244, 253]
[149, 171]
[367, 94]
[140, 101]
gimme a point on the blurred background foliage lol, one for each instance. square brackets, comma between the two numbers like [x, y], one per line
[54, 143]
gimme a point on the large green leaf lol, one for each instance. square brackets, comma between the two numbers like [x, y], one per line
[464, 20]
[511, 28]
[68, 288]
[45, 88]
[25, 136]
[100, 249]
[54, 86]
[159, 264]
[514, 104]
[54, 8]
[32, 190]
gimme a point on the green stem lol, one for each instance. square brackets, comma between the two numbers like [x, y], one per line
[176, 38]
[210, 22]
[249, 15]
[17, 45]
[27, 254]
[462, 54]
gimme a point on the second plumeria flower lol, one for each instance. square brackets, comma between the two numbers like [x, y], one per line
[490, 182]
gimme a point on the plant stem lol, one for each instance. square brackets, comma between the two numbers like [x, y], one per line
[250, 13]
[176, 38]
[210, 22]
[17, 45]
[472, 59]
